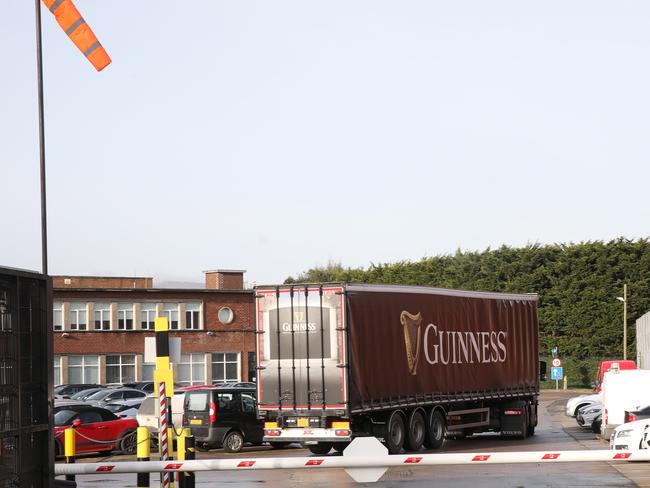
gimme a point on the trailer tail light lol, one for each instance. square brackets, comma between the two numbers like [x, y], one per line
[340, 425]
[270, 425]
[213, 413]
[606, 417]
[272, 432]
[513, 411]
[630, 417]
[342, 432]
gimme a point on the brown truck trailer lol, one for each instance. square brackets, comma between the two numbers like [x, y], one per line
[409, 365]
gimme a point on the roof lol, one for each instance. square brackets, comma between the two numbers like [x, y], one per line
[428, 290]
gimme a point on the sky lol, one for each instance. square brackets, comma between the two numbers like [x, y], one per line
[275, 136]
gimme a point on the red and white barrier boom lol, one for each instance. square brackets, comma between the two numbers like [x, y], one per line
[365, 460]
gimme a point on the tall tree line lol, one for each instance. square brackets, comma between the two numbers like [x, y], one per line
[577, 286]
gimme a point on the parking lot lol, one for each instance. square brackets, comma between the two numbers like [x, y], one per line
[555, 432]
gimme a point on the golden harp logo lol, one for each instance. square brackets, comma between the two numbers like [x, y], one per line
[411, 324]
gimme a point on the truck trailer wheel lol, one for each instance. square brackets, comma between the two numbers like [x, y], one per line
[436, 430]
[340, 446]
[320, 448]
[395, 433]
[279, 445]
[416, 431]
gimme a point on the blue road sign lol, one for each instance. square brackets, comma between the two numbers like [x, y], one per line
[557, 373]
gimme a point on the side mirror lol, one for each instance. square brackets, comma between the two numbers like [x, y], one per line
[76, 423]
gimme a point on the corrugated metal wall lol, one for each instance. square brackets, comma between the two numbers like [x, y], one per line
[643, 342]
[26, 458]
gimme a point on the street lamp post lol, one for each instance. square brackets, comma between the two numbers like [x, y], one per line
[624, 300]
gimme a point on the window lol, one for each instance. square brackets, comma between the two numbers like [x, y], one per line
[102, 316]
[125, 316]
[83, 369]
[78, 316]
[57, 370]
[225, 315]
[225, 366]
[193, 316]
[58, 316]
[248, 402]
[90, 417]
[191, 369]
[228, 402]
[120, 368]
[147, 316]
[170, 310]
[147, 371]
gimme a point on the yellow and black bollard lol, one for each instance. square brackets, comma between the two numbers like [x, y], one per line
[181, 447]
[143, 451]
[69, 449]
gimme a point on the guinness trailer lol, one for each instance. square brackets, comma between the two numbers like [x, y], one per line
[406, 364]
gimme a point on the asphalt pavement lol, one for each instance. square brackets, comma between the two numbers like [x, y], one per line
[555, 432]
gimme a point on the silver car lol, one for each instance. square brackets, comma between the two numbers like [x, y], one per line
[587, 414]
[113, 395]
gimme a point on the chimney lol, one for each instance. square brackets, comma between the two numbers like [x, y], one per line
[225, 279]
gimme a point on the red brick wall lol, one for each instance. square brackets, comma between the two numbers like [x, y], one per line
[236, 336]
[101, 282]
[220, 280]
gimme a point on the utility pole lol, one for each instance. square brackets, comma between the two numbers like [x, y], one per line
[41, 134]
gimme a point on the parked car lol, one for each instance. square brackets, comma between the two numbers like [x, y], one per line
[597, 422]
[223, 417]
[630, 436]
[574, 404]
[587, 414]
[639, 414]
[66, 391]
[123, 410]
[96, 430]
[148, 412]
[236, 384]
[146, 386]
[83, 394]
[112, 395]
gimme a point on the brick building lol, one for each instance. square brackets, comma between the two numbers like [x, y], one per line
[100, 326]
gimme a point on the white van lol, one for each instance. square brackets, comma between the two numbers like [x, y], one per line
[148, 413]
[623, 390]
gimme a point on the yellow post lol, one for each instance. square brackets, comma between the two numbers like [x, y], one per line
[69, 447]
[143, 452]
[180, 448]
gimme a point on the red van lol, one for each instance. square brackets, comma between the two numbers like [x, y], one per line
[608, 364]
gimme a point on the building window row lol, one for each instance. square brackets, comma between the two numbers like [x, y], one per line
[125, 316]
[193, 369]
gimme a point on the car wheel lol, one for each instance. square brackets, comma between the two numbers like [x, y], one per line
[436, 430]
[128, 442]
[321, 448]
[395, 434]
[233, 442]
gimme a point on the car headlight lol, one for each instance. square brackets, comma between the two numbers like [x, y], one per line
[624, 433]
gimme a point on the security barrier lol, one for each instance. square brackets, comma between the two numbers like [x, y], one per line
[365, 460]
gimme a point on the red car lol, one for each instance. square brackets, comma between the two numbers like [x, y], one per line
[96, 429]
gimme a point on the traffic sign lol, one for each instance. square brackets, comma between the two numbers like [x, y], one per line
[557, 373]
[556, 362]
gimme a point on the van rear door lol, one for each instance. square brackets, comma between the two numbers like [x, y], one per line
[197, 411]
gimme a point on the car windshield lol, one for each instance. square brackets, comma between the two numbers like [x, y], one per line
[100, 395]
[63, 417]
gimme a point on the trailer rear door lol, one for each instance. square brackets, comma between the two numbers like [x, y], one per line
[301, 348]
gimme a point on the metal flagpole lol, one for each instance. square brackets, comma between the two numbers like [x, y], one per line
[41, 134]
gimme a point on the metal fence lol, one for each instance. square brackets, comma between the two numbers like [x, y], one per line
[25, 379]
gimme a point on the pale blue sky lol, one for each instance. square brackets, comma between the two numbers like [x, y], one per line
[274, 136]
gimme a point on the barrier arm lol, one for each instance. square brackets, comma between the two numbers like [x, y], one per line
[365, 460]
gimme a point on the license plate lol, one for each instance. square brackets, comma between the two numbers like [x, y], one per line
[303, 422]
[196, 421]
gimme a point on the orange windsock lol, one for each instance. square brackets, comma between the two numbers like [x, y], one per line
[79, 32]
